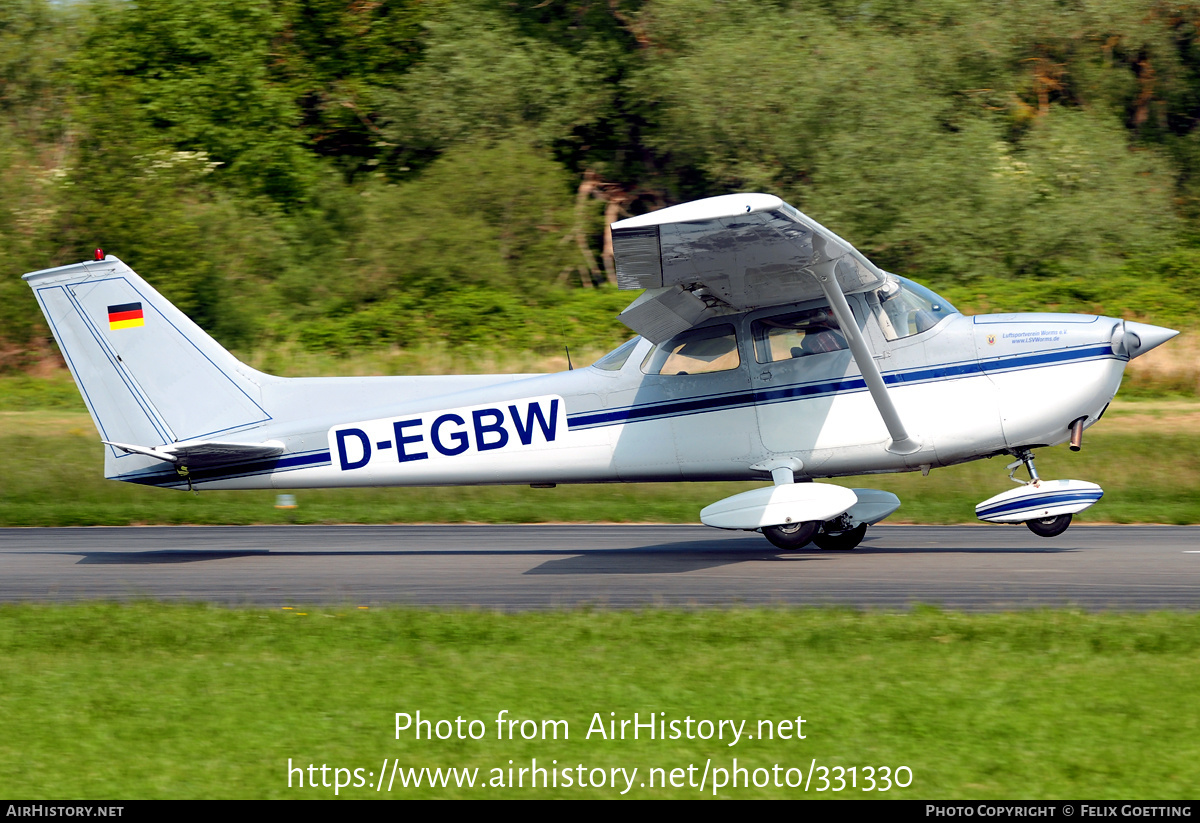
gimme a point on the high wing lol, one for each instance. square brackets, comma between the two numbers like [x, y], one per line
[738, 252]
[724, 254]
[199, 453]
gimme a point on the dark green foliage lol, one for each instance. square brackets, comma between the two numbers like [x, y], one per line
[917, 143]
[350, 176]
[198, 77]
[338, 61]
[482, 78]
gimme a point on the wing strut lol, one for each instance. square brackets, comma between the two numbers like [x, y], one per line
[901, 442]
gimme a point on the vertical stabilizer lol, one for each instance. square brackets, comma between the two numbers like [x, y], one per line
[149, 375]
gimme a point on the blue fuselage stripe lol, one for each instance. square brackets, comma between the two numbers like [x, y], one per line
[944, 371]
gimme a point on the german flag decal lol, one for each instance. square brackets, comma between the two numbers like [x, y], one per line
[125, 316]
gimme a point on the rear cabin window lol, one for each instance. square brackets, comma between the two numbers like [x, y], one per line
[698, 351]
[615, 359]
[796, 334]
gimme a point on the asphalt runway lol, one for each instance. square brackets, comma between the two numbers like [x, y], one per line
[977, 568]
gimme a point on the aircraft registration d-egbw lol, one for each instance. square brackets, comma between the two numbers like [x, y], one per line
[767, 348]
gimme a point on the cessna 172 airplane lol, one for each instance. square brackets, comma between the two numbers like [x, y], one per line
[768, 348]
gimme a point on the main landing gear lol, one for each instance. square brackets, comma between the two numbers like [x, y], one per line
[791, 515]
[830, 536]
[1046, 507]
[841, 540]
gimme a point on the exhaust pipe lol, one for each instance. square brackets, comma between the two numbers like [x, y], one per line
[1076, 428]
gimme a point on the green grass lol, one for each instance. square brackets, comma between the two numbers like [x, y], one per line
[57, 391]
[143, 700]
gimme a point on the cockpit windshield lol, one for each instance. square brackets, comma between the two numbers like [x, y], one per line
[905, 308]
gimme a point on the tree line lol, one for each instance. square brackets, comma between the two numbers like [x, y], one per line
[348, 174]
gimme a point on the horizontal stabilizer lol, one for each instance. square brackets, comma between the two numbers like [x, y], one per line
[203, 452]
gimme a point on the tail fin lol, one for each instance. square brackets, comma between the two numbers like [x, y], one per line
[148, 374]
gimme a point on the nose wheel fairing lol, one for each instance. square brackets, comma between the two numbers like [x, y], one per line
[1039, 500]
[1045, 506]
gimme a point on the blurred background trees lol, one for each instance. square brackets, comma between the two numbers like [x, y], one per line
[343, 175]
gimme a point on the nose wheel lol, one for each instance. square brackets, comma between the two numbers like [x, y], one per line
[1043, 526]
[1049, 526]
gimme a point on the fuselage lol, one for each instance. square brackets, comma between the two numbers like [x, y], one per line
[725, 401]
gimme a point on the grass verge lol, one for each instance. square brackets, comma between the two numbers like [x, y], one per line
[160, 701]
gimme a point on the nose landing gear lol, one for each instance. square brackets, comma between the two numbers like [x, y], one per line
[1044, 506]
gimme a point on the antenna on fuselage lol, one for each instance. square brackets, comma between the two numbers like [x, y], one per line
[562, 329]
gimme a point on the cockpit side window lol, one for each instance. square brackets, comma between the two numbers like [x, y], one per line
[615, 359]
[905, 308]
[698, 351]
[796, 334]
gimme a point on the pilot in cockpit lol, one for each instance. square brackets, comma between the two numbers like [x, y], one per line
[819, 339]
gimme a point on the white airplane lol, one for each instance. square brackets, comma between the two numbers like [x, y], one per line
[768, 348]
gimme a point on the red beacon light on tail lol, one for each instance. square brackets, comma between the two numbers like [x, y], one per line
[99, 254]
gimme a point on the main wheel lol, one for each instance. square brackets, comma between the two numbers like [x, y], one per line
[792, 536]
[1049, 526]
[841, 541]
